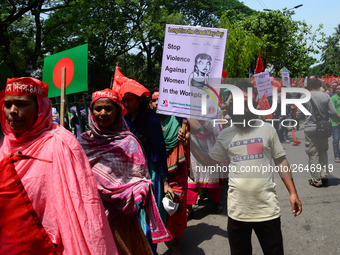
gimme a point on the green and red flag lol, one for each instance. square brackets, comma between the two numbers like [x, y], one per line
[75, 62]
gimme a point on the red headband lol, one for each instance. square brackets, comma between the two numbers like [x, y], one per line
[106, 93]
[26, 86]
[155, 95]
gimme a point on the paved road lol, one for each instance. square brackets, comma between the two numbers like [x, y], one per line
[315, 231]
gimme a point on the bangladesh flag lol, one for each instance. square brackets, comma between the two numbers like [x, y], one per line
[75, 62]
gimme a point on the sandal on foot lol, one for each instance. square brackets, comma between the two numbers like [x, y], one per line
[190, 215]
[311, 183]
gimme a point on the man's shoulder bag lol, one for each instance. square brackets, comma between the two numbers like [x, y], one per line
[323, 127]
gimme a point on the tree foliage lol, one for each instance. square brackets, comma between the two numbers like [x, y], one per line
[208, 12]
[285, 42]
[21, 26]
[131, 32]
[241, 49]
[330, 55]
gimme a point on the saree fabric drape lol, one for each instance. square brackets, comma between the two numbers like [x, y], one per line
[62, 188]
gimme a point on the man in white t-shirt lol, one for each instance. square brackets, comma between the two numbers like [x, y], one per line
[252, 199]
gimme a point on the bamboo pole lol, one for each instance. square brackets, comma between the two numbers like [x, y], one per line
[62, 97]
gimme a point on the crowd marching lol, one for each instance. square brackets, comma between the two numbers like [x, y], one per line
[102, 192]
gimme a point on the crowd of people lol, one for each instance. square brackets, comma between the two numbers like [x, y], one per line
[102, 192]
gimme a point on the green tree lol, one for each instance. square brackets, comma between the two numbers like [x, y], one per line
[101, 24]
[315, 70]
[330, 54]
[115, 31]
[21, 26]
[285, 42]
[150, 18]
[128, 31]
[241, 49]
[208, 12]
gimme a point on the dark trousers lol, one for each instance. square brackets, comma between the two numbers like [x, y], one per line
[336, 139]
[298, 122]
[268, 233]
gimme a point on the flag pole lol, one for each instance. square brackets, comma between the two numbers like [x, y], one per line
[184, 123]
[62, 97]
[112, 80]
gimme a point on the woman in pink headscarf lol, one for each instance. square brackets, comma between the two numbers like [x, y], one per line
[49, 203]
[122, 175]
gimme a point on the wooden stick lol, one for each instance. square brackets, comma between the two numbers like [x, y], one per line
[62, 97]
[184, 123]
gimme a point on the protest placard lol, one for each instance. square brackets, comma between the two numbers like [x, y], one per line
[263, 83]
[192, 64]
[285, 79]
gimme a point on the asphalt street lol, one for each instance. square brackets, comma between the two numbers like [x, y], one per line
[315, 231]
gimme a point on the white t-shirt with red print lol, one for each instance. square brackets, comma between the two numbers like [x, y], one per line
[251, 195]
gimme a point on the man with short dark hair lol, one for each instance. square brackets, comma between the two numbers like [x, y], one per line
[333, 86]
[252, 199]
[316, 148]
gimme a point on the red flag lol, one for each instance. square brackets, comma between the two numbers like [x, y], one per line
[300, 82]
[276, 83]
[119, 79]
[264, 105]
[333, 79]
[259, 65]
[224, 75]
[132, 86]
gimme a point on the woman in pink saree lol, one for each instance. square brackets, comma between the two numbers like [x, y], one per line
[119, 165]
[51, 180]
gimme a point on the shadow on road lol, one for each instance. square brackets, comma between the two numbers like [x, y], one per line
[333, 181]
[206, 207]
[194, 236]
